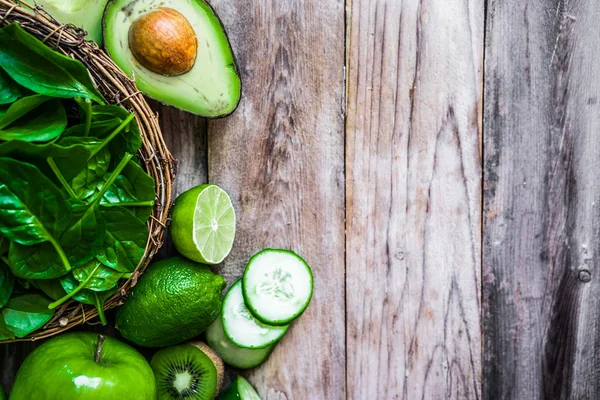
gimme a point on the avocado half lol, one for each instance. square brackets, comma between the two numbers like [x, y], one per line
[177, 51]
[86, 14]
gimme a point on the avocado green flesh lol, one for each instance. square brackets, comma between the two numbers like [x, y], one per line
[85, 14]
[211, 88]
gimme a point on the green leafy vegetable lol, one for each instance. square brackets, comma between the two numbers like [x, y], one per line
[26, 313]
[87, 181]
[10, 91]
[7, 283]
[20, 108]
[73, 202]
[38, 68]
[48, 121]
[125, 241]
[102, 277]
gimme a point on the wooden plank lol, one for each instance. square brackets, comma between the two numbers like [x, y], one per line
[541, 290]
[280, 156]
[414, 199]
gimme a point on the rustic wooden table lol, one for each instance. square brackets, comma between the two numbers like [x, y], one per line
[448, 205]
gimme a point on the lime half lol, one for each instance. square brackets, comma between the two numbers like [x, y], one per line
[203, 224]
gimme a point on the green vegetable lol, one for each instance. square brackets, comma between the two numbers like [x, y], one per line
[47, 123]
[33, 209]
[7, 283]
[20, 108]
[26, 313]
[102, 277]
[74, 204]
[24, 57]
[10, 91]
[125, 242]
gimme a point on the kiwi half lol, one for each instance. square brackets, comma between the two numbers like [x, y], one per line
[216, 360]
[184, 372]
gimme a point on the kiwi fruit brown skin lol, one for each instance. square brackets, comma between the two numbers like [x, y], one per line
[216, 360]
[184, 372]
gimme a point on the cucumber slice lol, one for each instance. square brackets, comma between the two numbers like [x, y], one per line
[230, 353]
[241, 327]
[277, 286]
[240, 389]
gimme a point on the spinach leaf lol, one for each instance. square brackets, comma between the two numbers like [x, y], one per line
[7, 283]
[4, 245]
[84, 236]
[91, 177]
[134, 189]
[102, 277]
[22, 107]
[97, 129]
[51, 288]
[85, 296]
[40, 261]
[5, 333]
[81, 241]
[125, 241]
[99, 300]
[49, 121]
[35, 66]
[70, 156]
[32, 209]
[26, 313]
[10, 91]
[104, 113]
[85, 110]
[122, 134]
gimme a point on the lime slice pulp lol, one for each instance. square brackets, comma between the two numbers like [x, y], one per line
[203, 224]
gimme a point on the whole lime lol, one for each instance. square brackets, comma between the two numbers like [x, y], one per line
[175, 300]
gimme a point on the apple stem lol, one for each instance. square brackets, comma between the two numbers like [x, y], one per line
[99, 349]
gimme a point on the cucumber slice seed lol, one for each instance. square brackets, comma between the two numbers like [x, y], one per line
[277, 286]
[230, 353]
[242, 328]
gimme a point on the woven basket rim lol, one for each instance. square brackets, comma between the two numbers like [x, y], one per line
[118, 89]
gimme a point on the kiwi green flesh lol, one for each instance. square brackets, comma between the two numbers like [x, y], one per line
[184, 372]
[212, 88]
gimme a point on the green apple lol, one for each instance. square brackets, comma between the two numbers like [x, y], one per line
[84, 366]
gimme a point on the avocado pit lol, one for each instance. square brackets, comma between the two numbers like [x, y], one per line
[164, 42]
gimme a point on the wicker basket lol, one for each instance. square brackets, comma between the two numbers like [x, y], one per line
[116, 88]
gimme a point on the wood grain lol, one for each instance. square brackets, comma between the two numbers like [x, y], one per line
[413, 199]
[280, 156]
[541, 290]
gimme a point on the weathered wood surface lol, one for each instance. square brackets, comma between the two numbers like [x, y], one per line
[542, 189]
[281, 158]
[413, 199]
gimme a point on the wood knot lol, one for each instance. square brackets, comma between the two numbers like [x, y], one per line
[584, 276]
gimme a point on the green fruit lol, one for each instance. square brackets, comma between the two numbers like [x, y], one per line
[178, 52]
[184, 372]
[2, 394]
[86, 14]
[67, 367]
[203, 224]
[240, 389]
[174, 301]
